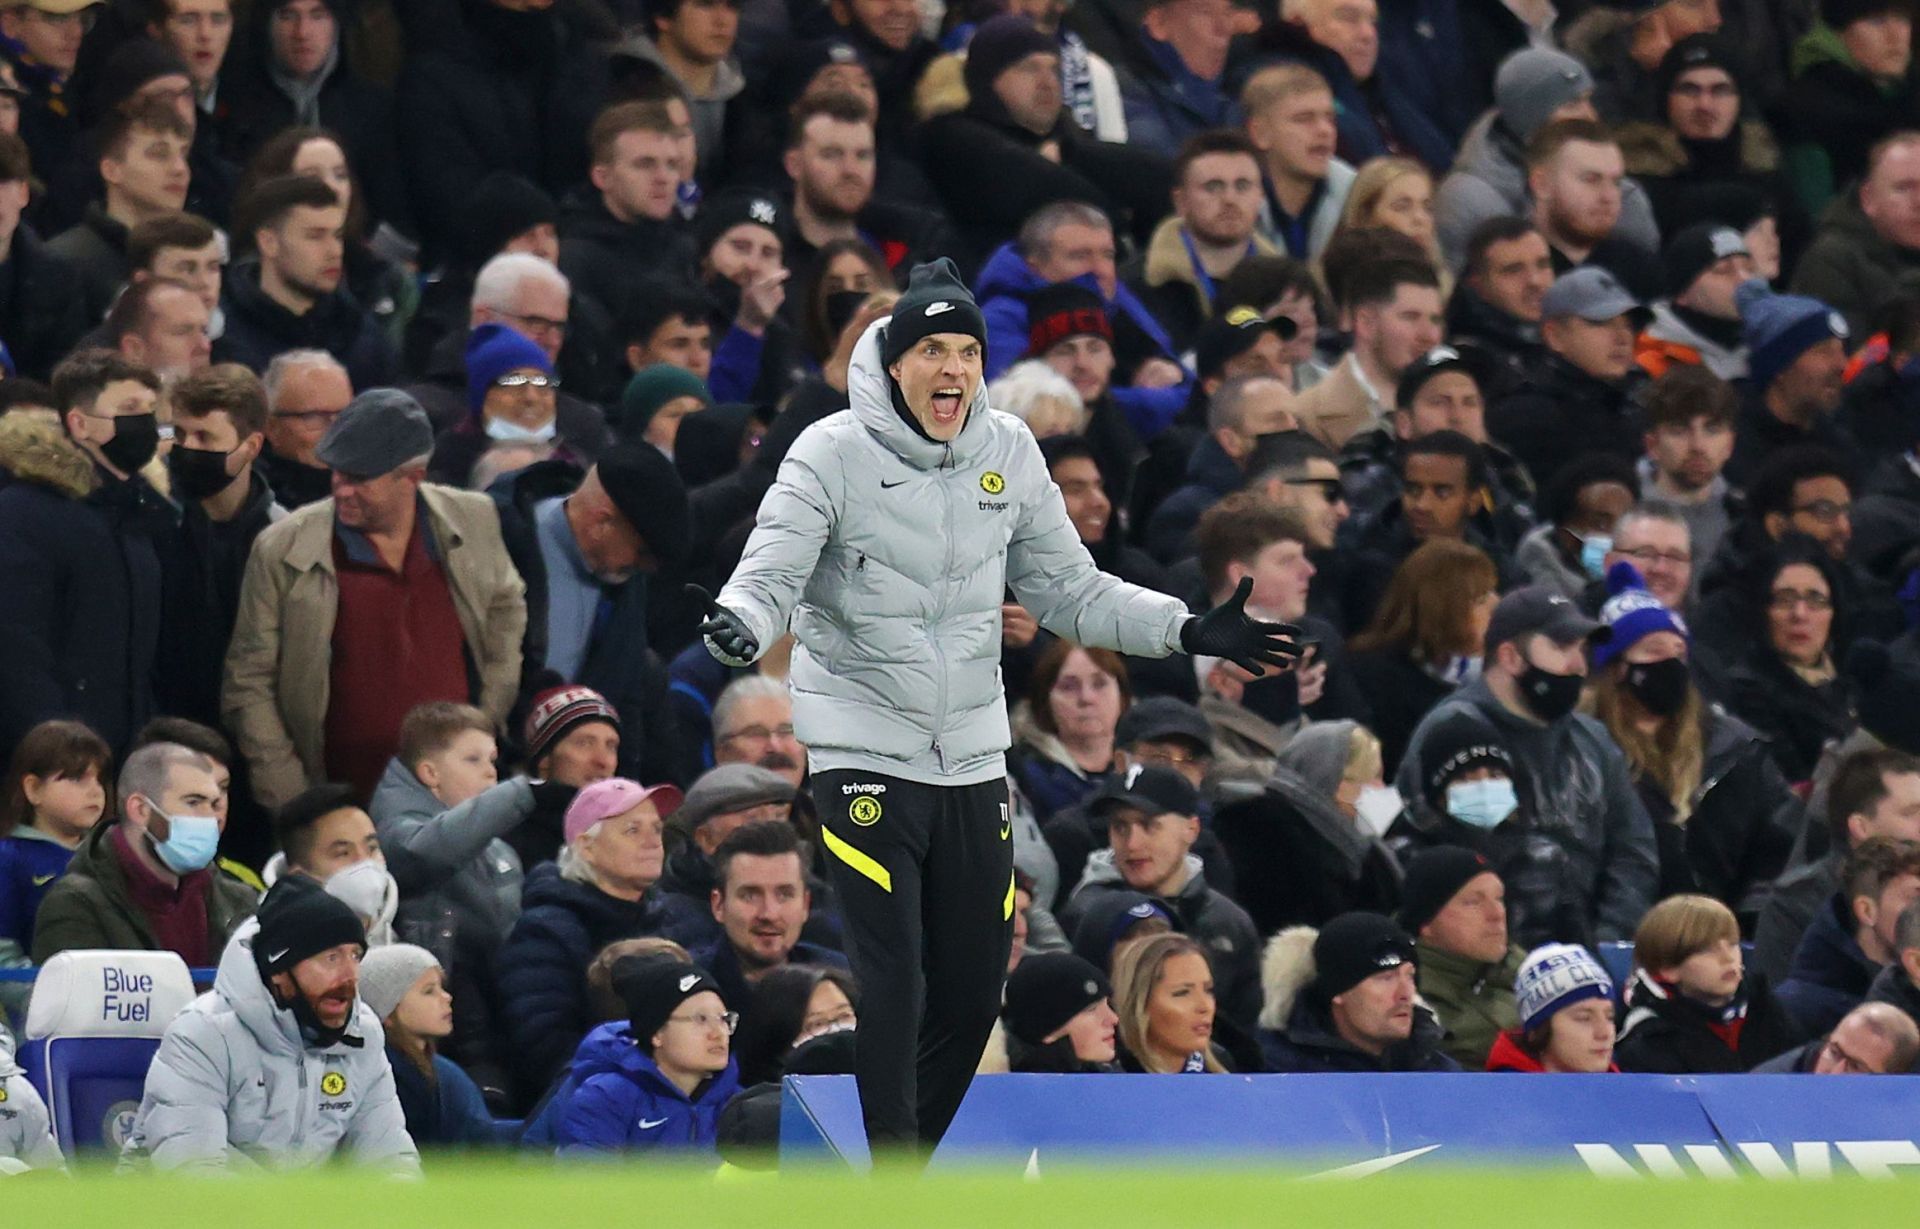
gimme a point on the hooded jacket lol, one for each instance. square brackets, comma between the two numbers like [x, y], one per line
[1473, 1000]
[460, 883]
[604, 257]
[26, 1131]
[622, 1101]
[1830, 974]
[1297, 1032]
[710, 110]
[79, 588]
[1206, 916]
[888, 555]
[1668, 341]
[235, 1085]
[1180, 291]
[1584, 819]
[1852, 269]
[1667, 1034]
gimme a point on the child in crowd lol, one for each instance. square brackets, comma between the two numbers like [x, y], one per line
[1565, 999]
[405, 985]
[56, 793]
[1692, 1009]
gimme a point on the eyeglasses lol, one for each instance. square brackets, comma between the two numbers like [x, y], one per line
[309, 418]
[1330, 488]
[1646, 554]
[726, 1021]
[1787, 599]
[1825, 510]
[759, 733]
[538, 324]
[520, 379]
[1167, 758]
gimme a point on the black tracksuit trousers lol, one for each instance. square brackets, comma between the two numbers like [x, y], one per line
[924, 875]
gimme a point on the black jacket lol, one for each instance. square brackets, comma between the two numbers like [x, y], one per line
[1560, 413]
[95, 250]
[203, 563]
[1894, 986]
[43, 312]
[1401, 691]
[618, 663]
[1757, 435]
[1309, 1043]
[1830, 973]
[1669, 1035]
[1514, 344]
[79, 589]
[1211, 477]
[1842, 113]
[1796, 897]
[606, 258]
[1299, 861]
[1797, 718]
[259, 328]
[1373, 549]
[1886, 517]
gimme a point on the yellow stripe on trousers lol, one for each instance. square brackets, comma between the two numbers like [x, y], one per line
[1006, 910]
[859, 861]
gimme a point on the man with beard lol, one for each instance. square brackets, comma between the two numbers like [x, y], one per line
[1216, 206]
[753, 724]
[831, 159]
[761, 900]
[1689, 418]
[1574, 172]
[273, 1068]
[741, 239]
[1796, 375]
[1496, 306]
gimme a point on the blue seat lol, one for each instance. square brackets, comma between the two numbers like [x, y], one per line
[1617, 959]
[93, 1025]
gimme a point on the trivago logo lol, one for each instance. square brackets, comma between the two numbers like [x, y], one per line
[1803, 1159]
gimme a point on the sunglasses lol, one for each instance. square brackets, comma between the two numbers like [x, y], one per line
[522, 380]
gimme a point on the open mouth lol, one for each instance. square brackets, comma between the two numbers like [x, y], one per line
[947, 404]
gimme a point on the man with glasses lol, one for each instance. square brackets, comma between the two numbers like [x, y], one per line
[1652, 537]
[306, 391]
[753, 724]
[1873, 1039]
[41, 41]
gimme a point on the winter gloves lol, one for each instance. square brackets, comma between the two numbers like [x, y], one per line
[1226, 631]
[728, 636]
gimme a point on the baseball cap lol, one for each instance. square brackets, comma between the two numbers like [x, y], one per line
[1232, 333]
[1435, 362]
[1591, 293]
[1158, 717]
[1147, 788]
[1537, 609]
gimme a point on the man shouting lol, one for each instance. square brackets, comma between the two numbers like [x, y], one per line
[887, 544]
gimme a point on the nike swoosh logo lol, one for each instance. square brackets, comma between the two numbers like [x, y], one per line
[888, 486]
[939, 309]
[1379, 1164]
[1006, 831]
[41, 881]
[276, 957]
[648, 1124]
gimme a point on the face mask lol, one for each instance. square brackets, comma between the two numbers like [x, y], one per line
[136, 437]
[363, 888]
[1593, 555]
[1550, 696]
[842, 305]
[501, 429]
[191, 842]
[198, 473]
[1376, 808]
[1482, 804]
[1660, 686]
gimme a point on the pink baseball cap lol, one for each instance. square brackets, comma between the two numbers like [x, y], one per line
[616, 796]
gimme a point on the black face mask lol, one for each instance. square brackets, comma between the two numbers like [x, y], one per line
[198, 473]
[841, 307]
[136, 437]
[1549, 696]
[1661, 686]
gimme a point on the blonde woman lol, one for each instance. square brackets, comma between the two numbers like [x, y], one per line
[1397, 193]
[1164, 992]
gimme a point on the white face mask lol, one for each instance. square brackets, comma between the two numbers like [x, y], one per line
[501, 429]
[1376, 808]
[365, 887]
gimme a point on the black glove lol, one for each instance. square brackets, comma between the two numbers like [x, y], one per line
[1226, 631]
[551, 800]
[724, 628]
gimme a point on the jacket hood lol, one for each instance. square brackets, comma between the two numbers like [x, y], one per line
[1285, 969]
[1491, 154]
[870, 395]
[1656, 150]
[36, 451]
[1306, 773]
[401, 793]
[238, 985]
[728, 80]
[1006, 272]
[1822, 45]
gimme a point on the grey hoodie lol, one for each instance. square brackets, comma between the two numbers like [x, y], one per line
[888, 554]
[234, 1085]
[709, 109]
[457, 876]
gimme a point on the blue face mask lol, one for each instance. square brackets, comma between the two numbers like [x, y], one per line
[1593, 555]
[192, 841]
[502, 430]
[1482, 804]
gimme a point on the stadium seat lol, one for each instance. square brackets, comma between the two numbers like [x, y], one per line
[1617, 958]
[93, 1025]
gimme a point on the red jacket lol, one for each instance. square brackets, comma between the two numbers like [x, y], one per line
[1508, 1055]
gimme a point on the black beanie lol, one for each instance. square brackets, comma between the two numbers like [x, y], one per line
[502, 206]
[1842, 13]
[132, 65]
[1434, 877]
[654, 989]
[1885, 680]
[936, 301]
[1458, 743]
[1695, 250]
[734, 207]
[297, 920]
[1696, 51]
[1048, 989]
[1353, 947]
[999, 44]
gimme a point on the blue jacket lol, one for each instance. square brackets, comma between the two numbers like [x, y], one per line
[1423, 133]
[1830, 975]
[1166, 102]
[623, 1102]
[1211, 477]
[30, 861]
[448, 1111]
[1424, 53]
[1006, 281]
[543, 967]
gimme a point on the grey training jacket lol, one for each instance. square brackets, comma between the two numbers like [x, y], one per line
[889, 554]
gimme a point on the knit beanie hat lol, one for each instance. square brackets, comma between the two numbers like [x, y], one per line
[738, 207]
[652, 387]
[1840, 14]
[1434, 877]
[1353, 947]
[654, 989]
[1691, 52]
[558, 710]
[998, 44]
[1063, 310]
[1633, 614]
[936, 301]
[1457, 744]
[297, 920]
[1885, 681]
[1533, 83]
[387, 973]
[131, 66]
[1779, 328]
[501, 207]
[1556, 976]
[492, 351]
[615, 796]
[1695, 250]
[1047, 989]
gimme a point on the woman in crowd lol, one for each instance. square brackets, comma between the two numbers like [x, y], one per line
[1397, 193]
[846, 271]
[1723, 814]
[1565, 1000]
[594, 894]
[1059, 1016]
[1425, 638]
[1787, 685]
[407, 989]
[1163, 987]
[791, 1006]
[1064, 738]
[1692, 1009]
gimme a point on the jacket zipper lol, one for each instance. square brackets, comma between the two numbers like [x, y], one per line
[933, 638]
[300, 1114]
